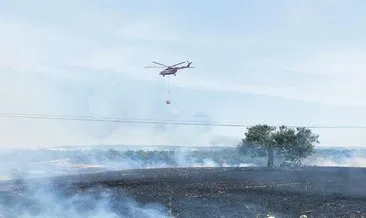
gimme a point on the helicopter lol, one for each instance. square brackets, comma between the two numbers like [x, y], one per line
[172, 69]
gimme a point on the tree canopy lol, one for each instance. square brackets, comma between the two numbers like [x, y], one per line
[294, 144]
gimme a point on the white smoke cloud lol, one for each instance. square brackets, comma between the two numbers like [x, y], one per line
[43, 201]
[338, 162]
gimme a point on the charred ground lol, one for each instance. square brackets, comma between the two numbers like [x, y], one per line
[227, 192]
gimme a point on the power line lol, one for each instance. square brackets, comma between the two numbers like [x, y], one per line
[117, 120]
[153, 122]
[102, 119]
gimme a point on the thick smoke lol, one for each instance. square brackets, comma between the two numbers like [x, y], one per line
[47, 200]
[356, 161]
[24, 198]
[74, 160]
[339, 157]
[63, 161]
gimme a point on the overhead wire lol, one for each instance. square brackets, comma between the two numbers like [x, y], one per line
[155, 122]
[86, 118]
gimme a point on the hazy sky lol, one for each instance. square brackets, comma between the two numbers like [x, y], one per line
[276, 62]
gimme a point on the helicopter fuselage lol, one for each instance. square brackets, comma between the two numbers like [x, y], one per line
[169, 71]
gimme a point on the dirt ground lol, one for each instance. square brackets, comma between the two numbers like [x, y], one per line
[231, 192]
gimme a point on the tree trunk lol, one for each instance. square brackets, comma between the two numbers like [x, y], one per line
[270, 160]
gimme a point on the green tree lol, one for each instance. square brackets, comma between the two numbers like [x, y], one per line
[301, 144]
[292, 143]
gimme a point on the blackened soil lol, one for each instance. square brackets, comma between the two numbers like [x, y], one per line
[233, 192]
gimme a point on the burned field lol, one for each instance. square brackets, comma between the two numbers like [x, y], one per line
[222, 192]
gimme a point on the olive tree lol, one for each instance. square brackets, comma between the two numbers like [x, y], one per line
[292, 143]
